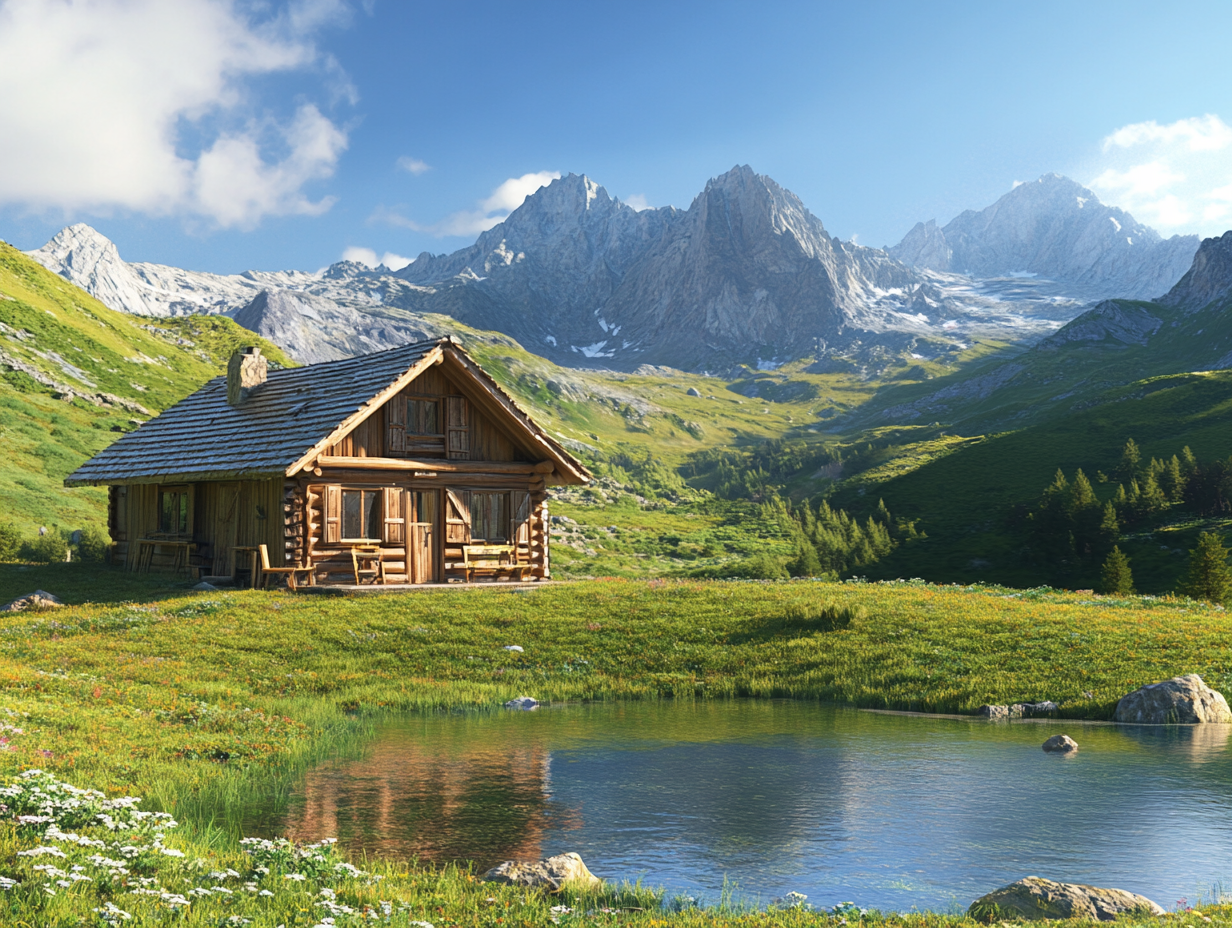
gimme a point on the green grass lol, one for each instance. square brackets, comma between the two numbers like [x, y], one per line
[206, 703]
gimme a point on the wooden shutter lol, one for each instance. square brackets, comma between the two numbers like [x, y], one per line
[394, 532]
[333, 515]
[395, 415]
[457, 428]
[457, 517]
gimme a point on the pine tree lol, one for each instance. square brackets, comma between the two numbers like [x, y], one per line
[1109, 527]
[1115, 577]
[1209, 576]
[1081, 495]
[1128, 468]
[1188, 462]
[1172, 481]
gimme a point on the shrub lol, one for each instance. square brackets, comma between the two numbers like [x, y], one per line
[824, 617]
[93, 545]
[10, 541]
[51, 548]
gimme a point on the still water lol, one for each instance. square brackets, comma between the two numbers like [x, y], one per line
[888, 811]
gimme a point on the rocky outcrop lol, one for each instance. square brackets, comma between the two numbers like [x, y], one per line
[1060, 744]
[1183, 700]
[1037, 899]
[1108, 322]
[1058, 229]
[551, 874]
[1209, 278]
[524, 703]
[38, 601]
[312, 329]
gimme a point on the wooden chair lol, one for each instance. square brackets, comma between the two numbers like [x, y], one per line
[367, 555]
[268, 572]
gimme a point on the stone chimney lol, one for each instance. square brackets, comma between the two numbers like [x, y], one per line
[245, 371]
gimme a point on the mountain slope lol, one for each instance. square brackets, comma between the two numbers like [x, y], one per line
[75, 374]
[1057, 229]
[1114, 343]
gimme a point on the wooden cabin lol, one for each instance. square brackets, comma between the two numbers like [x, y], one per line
[414, 457]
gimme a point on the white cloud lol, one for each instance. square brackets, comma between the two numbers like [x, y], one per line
[491, 211]
[413, 165]
[143, 105]
[369, 257]
[638, 201]
[1176, 177]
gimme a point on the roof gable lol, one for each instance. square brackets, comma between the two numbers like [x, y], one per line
[286, 422]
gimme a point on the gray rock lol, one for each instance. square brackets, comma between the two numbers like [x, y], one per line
[1033, 710]
[551, 874]
[37, 601]
[1061, 744]
[995, 713]
[205, 586]
[524, 703]
[1182, 700]
[1037, 899]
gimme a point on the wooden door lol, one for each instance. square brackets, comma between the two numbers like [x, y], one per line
[423, 536]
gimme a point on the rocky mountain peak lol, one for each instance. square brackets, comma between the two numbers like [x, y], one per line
[1209, 279]
[1054, 228]
[84, 256]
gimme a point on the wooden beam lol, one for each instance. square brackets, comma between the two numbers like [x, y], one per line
[441, 466]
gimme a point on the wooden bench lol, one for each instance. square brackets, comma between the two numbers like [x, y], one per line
[494, 560]
[269, 573]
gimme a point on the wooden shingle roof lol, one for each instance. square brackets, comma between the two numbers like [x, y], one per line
[284, 421]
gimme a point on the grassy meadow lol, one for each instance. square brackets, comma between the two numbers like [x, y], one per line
[206, 703]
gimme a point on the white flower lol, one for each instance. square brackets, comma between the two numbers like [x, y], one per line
[298, 877]
[171, 852]
[265, 892]
[42, 851]
[514, 647]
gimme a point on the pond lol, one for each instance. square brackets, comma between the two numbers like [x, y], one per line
[889, 811]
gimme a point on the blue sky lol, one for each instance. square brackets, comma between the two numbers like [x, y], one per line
[225, 136]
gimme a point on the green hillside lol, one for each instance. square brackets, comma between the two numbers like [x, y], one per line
[74, 375]
[1118, 343]
[971, 502]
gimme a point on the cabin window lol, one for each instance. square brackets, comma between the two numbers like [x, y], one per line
[489, 517]
[361, 515]
[423, 417]
[173, 510]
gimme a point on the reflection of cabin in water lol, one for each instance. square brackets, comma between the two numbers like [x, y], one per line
[413, 457]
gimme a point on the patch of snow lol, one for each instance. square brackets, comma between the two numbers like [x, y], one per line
[951, 324]
[603, 324]
[595, 350]
[550, 340]
[1082, 201]
[1022, 274]
[1130, 240]
[768, 365]
[1115, 224]
[918, 357]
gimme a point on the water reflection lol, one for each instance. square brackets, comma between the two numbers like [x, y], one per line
[887, 810]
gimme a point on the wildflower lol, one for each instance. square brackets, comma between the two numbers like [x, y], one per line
[298, 877]
[7, 882]
[41, 851]
[265, 892]
[171, 852]
[514, 647]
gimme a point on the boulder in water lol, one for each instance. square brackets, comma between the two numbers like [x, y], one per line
[1061, 744]
[1182, 700]
[522, 702]
[551, 874]
[1036, 899]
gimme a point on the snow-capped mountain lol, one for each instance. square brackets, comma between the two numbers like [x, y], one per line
[1057, 229]
[745, 274]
